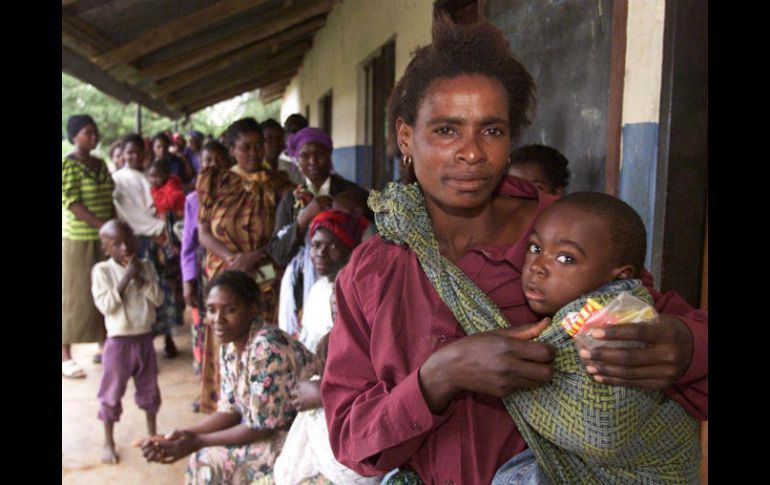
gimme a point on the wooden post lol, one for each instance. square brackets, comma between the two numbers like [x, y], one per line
[139, 118]
[615, 110]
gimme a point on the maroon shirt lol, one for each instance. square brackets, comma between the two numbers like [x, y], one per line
[390, 320]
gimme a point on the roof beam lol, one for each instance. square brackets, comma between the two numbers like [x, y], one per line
[273, 91]
[267, 46]
[89, 43]
[75, 64]
[197, 105]
[158, 37]
[190, 96]
[264, 55]
[292, 17]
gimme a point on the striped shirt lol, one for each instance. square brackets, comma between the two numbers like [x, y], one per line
[94, 190]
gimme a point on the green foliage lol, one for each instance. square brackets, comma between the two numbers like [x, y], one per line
[116, 119]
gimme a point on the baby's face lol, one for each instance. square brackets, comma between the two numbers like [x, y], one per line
[568, 254]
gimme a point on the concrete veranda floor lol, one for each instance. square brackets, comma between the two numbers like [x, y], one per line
[82, 432]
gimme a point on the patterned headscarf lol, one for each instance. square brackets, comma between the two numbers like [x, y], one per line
[296, 141]
[75, 123]
[346, 226]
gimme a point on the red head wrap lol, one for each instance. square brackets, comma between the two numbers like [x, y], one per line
[346, 226]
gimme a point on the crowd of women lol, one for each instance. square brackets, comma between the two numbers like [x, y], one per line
[307, 384]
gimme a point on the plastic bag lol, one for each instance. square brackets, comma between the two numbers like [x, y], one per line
[624, 308]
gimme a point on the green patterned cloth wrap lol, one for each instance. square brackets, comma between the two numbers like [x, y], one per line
[581, 431]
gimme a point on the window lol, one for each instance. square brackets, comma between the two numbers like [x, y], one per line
[380, 78]
[325, 112]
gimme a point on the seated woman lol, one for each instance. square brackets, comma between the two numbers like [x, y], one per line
[260, 365]
[307, 456]
[235, 222]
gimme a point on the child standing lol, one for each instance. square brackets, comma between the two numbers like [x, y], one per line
[168, 197]
[132, 196]
[592, 245]
[126, 292]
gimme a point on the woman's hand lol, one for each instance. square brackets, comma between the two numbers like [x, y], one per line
[190, 293]
[658, 365]
[307, 395]
[316, 206]
[494, 363]
[244, 261]
[174, 446]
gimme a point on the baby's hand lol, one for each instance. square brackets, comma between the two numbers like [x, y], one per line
[307, 395]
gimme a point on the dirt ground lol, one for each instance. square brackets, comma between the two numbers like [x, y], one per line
[82, 432]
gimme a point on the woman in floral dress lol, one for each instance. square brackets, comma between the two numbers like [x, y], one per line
[259, 366]
[235, 221]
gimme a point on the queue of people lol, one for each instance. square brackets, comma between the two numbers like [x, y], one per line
[423, 333]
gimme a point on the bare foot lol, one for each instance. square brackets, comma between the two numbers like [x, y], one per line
[109, 456]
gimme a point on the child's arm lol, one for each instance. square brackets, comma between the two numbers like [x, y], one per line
[106, 297]
[151, 288]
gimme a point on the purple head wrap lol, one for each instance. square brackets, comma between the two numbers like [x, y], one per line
[299, 139]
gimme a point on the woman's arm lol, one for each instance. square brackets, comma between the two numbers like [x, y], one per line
[211, 243]
[357, 401]
[674, 360]
[85, 215]
[286, 237]
[216, 422]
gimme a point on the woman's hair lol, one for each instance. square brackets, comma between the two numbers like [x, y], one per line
[239, 127]
[241, 284]
[131, 138]
[478, 48]
[270, 123]
[160, 136]
[554, 164]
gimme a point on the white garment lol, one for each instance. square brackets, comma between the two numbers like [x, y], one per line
[323, 190]
[133, 202]
[132, 313]
[307, 452]
[317, 314]
[287, 305]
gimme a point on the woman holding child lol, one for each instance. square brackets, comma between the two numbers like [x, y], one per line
[404, 386]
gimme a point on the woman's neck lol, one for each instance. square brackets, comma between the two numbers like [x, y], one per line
[458, 230]
[82, 154]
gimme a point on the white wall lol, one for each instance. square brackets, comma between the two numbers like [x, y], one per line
[354, 30]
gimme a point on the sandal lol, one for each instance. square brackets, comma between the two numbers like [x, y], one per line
[71, 369]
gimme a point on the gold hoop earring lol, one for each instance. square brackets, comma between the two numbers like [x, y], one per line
[407, 161]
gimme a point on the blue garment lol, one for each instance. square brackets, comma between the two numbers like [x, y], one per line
[522, 469]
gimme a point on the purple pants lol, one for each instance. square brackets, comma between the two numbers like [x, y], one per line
[122, 358]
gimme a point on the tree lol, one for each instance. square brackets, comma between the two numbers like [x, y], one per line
[116, 119]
